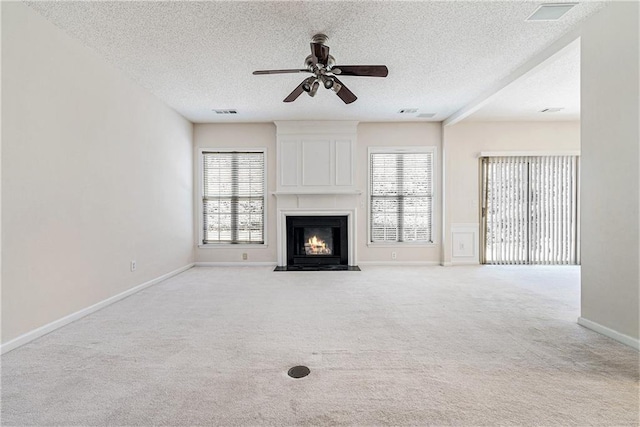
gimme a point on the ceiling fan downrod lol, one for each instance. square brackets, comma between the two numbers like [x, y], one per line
[320, 38]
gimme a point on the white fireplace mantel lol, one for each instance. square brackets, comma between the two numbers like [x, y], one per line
[317, 193]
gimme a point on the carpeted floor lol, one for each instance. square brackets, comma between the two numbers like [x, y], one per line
[386, 346]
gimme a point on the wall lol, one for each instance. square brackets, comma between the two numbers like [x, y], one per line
[397, 134]
[610, 163]
[248, 135]
[95, 172]
[464, 141]
[264, 135]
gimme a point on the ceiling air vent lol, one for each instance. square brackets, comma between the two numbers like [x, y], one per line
[426, 115]
[408, 111]
[550, 11]
[552, 110]
[226, 111]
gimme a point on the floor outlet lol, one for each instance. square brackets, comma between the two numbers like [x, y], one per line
[133, 266]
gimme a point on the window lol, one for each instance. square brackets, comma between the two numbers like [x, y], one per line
[233, 197]
[401, 196]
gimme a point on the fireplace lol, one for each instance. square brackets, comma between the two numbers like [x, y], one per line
[317, 242]
[334, 227]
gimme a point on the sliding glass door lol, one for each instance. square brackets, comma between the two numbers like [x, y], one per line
[530, 210]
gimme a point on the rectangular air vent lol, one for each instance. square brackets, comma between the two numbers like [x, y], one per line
[552, 110]
[226, 111]
[550, 11]
[426, 115]
[408, 111]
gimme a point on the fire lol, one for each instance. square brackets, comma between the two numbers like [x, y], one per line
[315, 246]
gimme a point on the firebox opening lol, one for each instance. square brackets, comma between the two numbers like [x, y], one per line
[317, 243]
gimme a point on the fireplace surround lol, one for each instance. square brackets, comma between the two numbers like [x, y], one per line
[318, 242]
[347, 247]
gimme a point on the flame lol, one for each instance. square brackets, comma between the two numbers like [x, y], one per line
[315, 246]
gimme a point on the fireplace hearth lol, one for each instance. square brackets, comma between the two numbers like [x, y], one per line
[317, 243]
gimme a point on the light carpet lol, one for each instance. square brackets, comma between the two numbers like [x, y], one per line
[386, 346]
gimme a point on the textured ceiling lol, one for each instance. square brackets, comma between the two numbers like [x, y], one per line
[198, 56]
[557, 85]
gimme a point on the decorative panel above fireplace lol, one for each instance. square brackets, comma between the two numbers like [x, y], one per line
[316, 157]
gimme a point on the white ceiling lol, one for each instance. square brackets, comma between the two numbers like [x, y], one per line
[556, 85]
[198, 56]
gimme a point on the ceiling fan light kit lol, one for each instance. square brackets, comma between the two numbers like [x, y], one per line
[322, 66]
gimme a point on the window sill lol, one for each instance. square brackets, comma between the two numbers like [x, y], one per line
[232, 246]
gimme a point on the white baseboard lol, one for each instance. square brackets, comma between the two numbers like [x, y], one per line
[56, 324]
[274, 264]
[236, 264]
[608, 332]
[399, 263]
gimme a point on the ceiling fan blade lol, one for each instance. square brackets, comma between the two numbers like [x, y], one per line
[320, 52]
[344, 93]
[296, 93]
[361, 70]
[259, 72]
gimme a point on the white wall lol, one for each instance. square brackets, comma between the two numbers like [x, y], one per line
[610, 163]
[388, 135]
[244, 135]
[95, 172]
[464, 141]
[264, 135]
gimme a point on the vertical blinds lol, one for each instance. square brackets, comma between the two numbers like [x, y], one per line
[401, 197]
[530, 210]
[233, 197]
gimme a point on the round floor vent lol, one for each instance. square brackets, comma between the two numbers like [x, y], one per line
[298, 372]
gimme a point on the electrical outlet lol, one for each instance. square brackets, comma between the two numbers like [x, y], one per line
[133, 265]
[393, 255]
[461, 246]
[245, 256]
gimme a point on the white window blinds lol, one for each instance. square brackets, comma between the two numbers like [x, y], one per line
[401, 197]
[530, 210]
[233, 197]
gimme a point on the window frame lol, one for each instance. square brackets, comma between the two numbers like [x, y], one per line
[434, 194]
[221, 245]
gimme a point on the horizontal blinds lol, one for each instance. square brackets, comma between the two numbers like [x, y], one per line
[530, 214]
[233, 197]
[401, 197]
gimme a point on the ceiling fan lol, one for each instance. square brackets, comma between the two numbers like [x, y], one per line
[322, 66]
